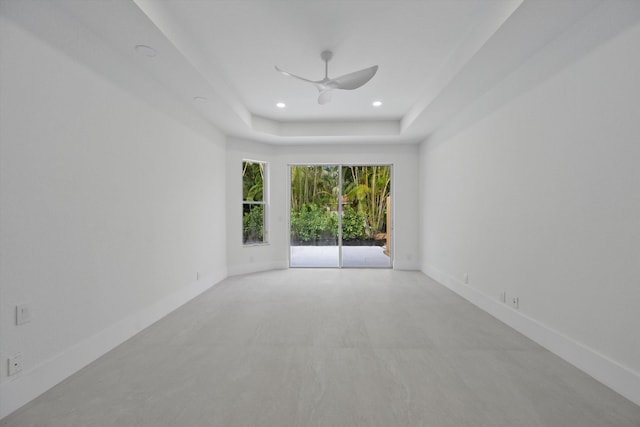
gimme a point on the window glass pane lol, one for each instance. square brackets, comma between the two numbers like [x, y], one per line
[252, 223]
[252, 181]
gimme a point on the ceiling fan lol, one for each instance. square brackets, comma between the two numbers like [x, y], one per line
[346, 82]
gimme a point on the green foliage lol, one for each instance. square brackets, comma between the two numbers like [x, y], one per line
[315, 193]
[353, 224]
[312, 223]
[252, 181]
[357, 192]
[368, 187]
[253, 224]
[314, 185]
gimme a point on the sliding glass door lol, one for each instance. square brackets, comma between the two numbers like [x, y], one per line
[366, 216]
[340, 216]
[314, 218]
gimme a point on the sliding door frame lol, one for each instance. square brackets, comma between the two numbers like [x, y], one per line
[390, 227]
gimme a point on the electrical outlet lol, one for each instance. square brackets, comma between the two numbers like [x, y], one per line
[515, 302]
[23, 314]
[15, 364]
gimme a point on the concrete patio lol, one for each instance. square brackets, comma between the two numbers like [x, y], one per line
[328, 256]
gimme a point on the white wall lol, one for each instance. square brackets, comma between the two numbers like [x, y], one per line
[109, 210]
[541, 199]
[404, 159]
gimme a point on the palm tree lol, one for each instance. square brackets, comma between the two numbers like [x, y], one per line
[316, 185]
[252, 181]
[368, 188]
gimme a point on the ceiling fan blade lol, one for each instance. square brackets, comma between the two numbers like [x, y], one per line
[326, 85]
[353, 80]
[288, 74]
[325, 96]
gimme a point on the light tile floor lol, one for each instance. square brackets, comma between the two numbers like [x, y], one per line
[309, 347]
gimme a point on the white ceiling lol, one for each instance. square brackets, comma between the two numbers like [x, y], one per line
[435, 58]
[245, 39]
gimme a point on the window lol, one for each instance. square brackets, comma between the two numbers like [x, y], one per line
[254, 204]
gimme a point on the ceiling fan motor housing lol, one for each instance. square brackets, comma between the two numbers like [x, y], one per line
[326, 55]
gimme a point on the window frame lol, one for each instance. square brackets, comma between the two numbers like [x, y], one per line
[264, 203]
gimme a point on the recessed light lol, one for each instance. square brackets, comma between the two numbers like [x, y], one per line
[199, 98]
[377, 103]
[281, 105]
[146, 50]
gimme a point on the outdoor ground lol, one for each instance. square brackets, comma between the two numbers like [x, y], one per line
[327, 256]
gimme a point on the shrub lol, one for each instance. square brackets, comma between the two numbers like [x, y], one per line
[353, 224]
[253, 225]
[313, 223]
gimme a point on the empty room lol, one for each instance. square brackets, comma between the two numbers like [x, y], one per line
[319, 213]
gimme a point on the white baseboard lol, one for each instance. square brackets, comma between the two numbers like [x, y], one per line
[257, 267]
[406, 265]
[238, 270]
[609, 372]
[29, 384]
